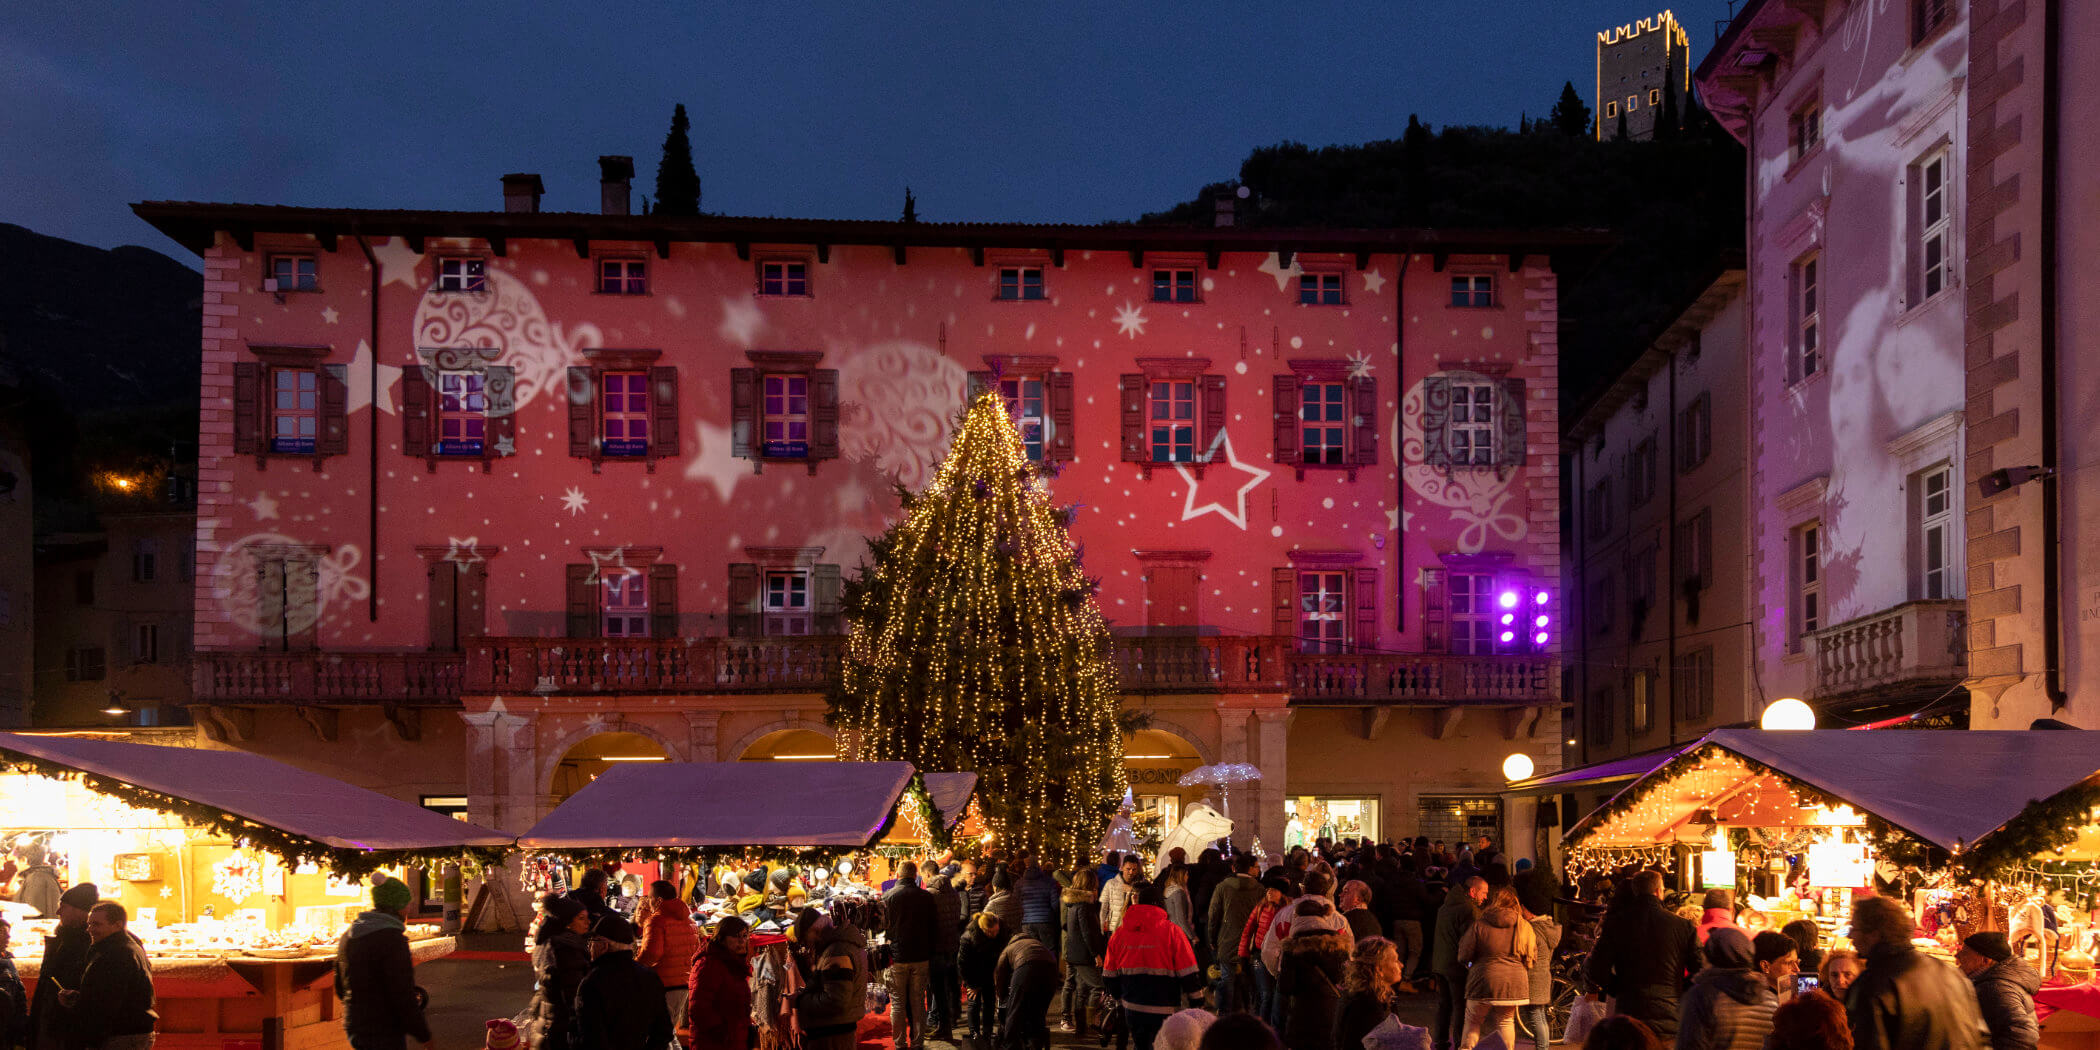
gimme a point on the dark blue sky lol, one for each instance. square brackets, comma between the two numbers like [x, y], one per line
[1070, 112]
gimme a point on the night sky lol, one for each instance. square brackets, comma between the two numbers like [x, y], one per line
[1074, 112]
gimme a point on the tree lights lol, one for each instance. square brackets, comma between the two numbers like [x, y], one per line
[975, 646]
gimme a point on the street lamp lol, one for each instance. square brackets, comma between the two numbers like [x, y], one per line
[1517, 767]
[1788, 713]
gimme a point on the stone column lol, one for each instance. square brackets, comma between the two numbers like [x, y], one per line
[1271, 746]
[701, 729]
[1245, 798]
[519, 762]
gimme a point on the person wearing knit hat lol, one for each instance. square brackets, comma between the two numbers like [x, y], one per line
[502, 1035]
[82, 896]
[2005, 987]
[375, 975]
[65, 960]
[561, 954]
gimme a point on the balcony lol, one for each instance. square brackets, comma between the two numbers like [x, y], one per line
[1913, 643]
[326, 678]
[713, 666]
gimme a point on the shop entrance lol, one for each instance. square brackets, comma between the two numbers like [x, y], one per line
[1155, 760]
[1459, 820]
[791, 745]
[1310, 818]
[591, 757]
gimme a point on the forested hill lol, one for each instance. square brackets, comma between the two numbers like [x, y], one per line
[1675, 206]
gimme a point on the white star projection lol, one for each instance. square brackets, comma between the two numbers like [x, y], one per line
[1130, 320]
[574, 501]
[1237, 512]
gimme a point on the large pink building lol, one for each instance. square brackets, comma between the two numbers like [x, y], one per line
[488, 498]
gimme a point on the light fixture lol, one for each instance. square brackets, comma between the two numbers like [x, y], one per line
[1517, 766]
[1788, 714]
[116, 708]
[805, 758]
[631, 758]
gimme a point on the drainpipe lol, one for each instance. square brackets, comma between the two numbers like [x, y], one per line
[372, 410]
[1670, 588]
[2052, 540]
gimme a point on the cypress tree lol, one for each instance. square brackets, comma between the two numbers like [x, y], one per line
[1571, 115]
[1622, 126]
[975, 645]
[677, 181]
[911, 206]
[1666, 125]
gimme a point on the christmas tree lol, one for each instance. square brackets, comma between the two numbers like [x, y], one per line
[975, 645]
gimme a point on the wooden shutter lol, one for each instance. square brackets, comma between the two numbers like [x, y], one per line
[584, 607]
[1704, 423]
[1365, 634]
[499, 385]
[978, 384]
[472, 600]
[1283, 597]
[1512, 437]
[247, 408]
[1436, 612]
[583, 411]
[1363, 421]
[663, 412]
[416, 436]
[1057, 386]
[332, 436]
[1286, 420]
[824, 414]
[1436, 420]
[443, 605]
[743, 412]
[743, 600]
[827, 584]
[1133, 390]
[663, 601]
[1213, 394]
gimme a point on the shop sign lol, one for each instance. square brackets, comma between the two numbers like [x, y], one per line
[1838, 865]
[1170, 775]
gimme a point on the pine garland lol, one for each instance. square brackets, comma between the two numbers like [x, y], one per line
[293, 849]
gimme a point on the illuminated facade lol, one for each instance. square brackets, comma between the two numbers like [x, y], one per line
[490, 498]
[1644, 69]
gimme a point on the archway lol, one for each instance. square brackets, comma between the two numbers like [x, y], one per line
[1155, 760]
[593, 755]
[790, 745]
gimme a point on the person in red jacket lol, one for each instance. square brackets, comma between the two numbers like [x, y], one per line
[718, 1004]
[1150, 967]
[669, 943]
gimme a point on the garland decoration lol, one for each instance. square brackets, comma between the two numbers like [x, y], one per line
[293, 849]
[2044, 828]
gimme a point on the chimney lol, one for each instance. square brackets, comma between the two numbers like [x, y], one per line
[1225, 209]
[521, 192]
[615, 179]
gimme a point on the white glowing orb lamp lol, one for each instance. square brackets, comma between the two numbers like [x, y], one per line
[1517, 766]
[1788, 713]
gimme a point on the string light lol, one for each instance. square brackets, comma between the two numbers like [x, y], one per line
[977, 646]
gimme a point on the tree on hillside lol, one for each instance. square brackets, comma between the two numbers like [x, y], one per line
[1571, 115]
[1621, 135]
[911, 206]
[975, 645]
[677, 181]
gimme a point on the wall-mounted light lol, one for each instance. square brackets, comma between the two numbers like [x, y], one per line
[2003, 478]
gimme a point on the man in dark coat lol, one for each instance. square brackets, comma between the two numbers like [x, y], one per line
[375, 975]
[1231, 902]
[2005, 988]
[620, 1005]
[65, 958]
[1644, 956]
[909, 917]
[112, 1009]
[976, 962]
[1461, 908]
[590, 893]
[1905, 999]
[944, 990]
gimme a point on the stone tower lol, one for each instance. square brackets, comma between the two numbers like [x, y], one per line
[1636, 64]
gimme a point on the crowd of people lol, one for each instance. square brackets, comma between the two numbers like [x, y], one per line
[94, 988]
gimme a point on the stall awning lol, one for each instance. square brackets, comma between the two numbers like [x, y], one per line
[262, 790]
[1948, 787]
[726, 804]
[1599, 774]
[950, 794]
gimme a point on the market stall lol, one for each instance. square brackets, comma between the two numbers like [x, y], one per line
[1798, 823]
[239, 872]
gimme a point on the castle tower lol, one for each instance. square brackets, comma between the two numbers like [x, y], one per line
[1636, 64]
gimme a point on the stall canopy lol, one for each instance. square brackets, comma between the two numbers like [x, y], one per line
[291, 800]
[1616, 771]
[729, 805]
[1946, 787]
[950, 794]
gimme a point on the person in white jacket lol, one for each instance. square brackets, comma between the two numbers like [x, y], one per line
[1318, 884]
[1119, 893]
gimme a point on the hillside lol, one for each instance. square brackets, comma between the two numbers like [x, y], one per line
[98, 329]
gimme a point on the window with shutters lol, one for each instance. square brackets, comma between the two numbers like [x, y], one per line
[622, 592]
[457, 599]
[1600, 509]
[1928, 17]
[1805, 128]
[462, 275]
[1695, 560]
[783, 277]
[1472, 290]
[1326, 602]
[786, 593]
[1320, 289]
[1695, 432]
[1173, 413]
[1173, 587]
[1325, 417]
[287, 594]
[786, 602]
[459, 405]
[145, 643]
[1322, 615]
[623, 276]
[85, 663]
[1472, 613]
[1640, 688]
[624, 604]
[145, 560]
[462, 413]
[784, 409]
[287, 403]
[1472, 421]
[623, 406]
[1641, 473]
[1024, 396]
[1037, 396]
[1170, 406]
[1695, 685]
[294, 273]
[1173, 286]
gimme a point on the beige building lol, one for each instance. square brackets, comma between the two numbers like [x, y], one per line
[113, 621]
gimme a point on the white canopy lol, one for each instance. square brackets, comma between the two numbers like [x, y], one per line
[259, 789]
[728, 804]
[950, 794]
[1948, 787]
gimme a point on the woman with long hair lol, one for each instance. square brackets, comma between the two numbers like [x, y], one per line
[1083, 944]
[1622, 1033]
[1367, 991]
[1809, 1021]
[1498, 949]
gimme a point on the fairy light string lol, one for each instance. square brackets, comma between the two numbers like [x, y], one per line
[975, 645]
